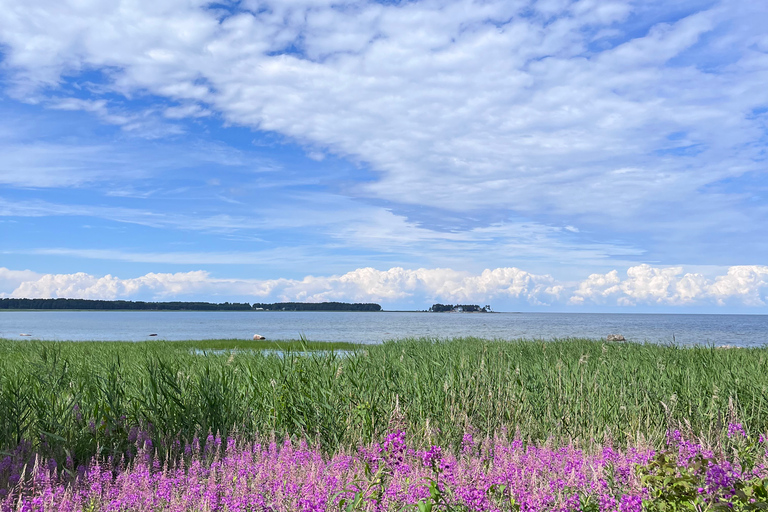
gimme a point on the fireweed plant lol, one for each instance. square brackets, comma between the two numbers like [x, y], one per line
[130, 407]
[493, 474]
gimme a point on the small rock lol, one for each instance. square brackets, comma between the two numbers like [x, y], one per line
[615, 337]
[258, 337]
[155, 334]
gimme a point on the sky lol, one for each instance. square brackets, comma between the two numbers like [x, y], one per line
[552, 155]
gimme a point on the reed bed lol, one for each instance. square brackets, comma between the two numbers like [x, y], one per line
[74, 400]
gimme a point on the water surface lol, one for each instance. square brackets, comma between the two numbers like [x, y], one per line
[369, 327]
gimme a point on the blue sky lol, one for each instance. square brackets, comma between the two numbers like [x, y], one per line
[535, 155]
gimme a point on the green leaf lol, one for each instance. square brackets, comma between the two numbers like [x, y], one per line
[53, 436]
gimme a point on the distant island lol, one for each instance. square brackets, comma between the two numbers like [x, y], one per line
[129, 305]
[459, 308]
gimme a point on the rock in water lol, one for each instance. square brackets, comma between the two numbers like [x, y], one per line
[258, 337]
[615, 337]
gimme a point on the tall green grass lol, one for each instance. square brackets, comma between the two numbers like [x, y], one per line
[79, 399]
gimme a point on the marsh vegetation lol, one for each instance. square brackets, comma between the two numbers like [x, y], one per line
[83, 398]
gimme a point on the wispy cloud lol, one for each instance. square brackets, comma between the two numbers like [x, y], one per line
[334, 235]
[42, 151]
[44, 165]
[458, 106]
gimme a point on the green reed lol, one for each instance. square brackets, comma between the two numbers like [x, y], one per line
[83, 398]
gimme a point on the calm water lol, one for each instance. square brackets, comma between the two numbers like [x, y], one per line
[738, 330]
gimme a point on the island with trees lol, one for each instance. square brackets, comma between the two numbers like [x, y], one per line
[459, 308]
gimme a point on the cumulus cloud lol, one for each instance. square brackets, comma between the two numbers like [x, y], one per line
[746, 283]
[743, 285]
[434, 284]
[517, 116]
[644, 284]
[12, 279]
[86, 286]
[364, 284]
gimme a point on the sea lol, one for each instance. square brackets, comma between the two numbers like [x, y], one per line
[370, 327]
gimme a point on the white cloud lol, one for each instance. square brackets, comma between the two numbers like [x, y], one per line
[459, 105]
[748, 283]
[86, 286]
[744, 285]
[365, 284]
[597, 287]
[12, 279]
[146, 123]
[432, 284]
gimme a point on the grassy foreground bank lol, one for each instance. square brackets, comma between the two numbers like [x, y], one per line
[80, 399]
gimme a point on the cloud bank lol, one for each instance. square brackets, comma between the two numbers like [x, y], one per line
[642, 285]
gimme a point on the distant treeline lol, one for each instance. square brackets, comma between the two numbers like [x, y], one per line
[119, 304]
[316, 306]
[465, 308]
[109, 305]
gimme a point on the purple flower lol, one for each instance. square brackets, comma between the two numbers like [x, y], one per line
[294, 476]
[630, 503]
[432, 456]
[736, 428]
[674, 437]
[467, 443]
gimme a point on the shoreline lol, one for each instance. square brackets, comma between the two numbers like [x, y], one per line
[326, 346]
